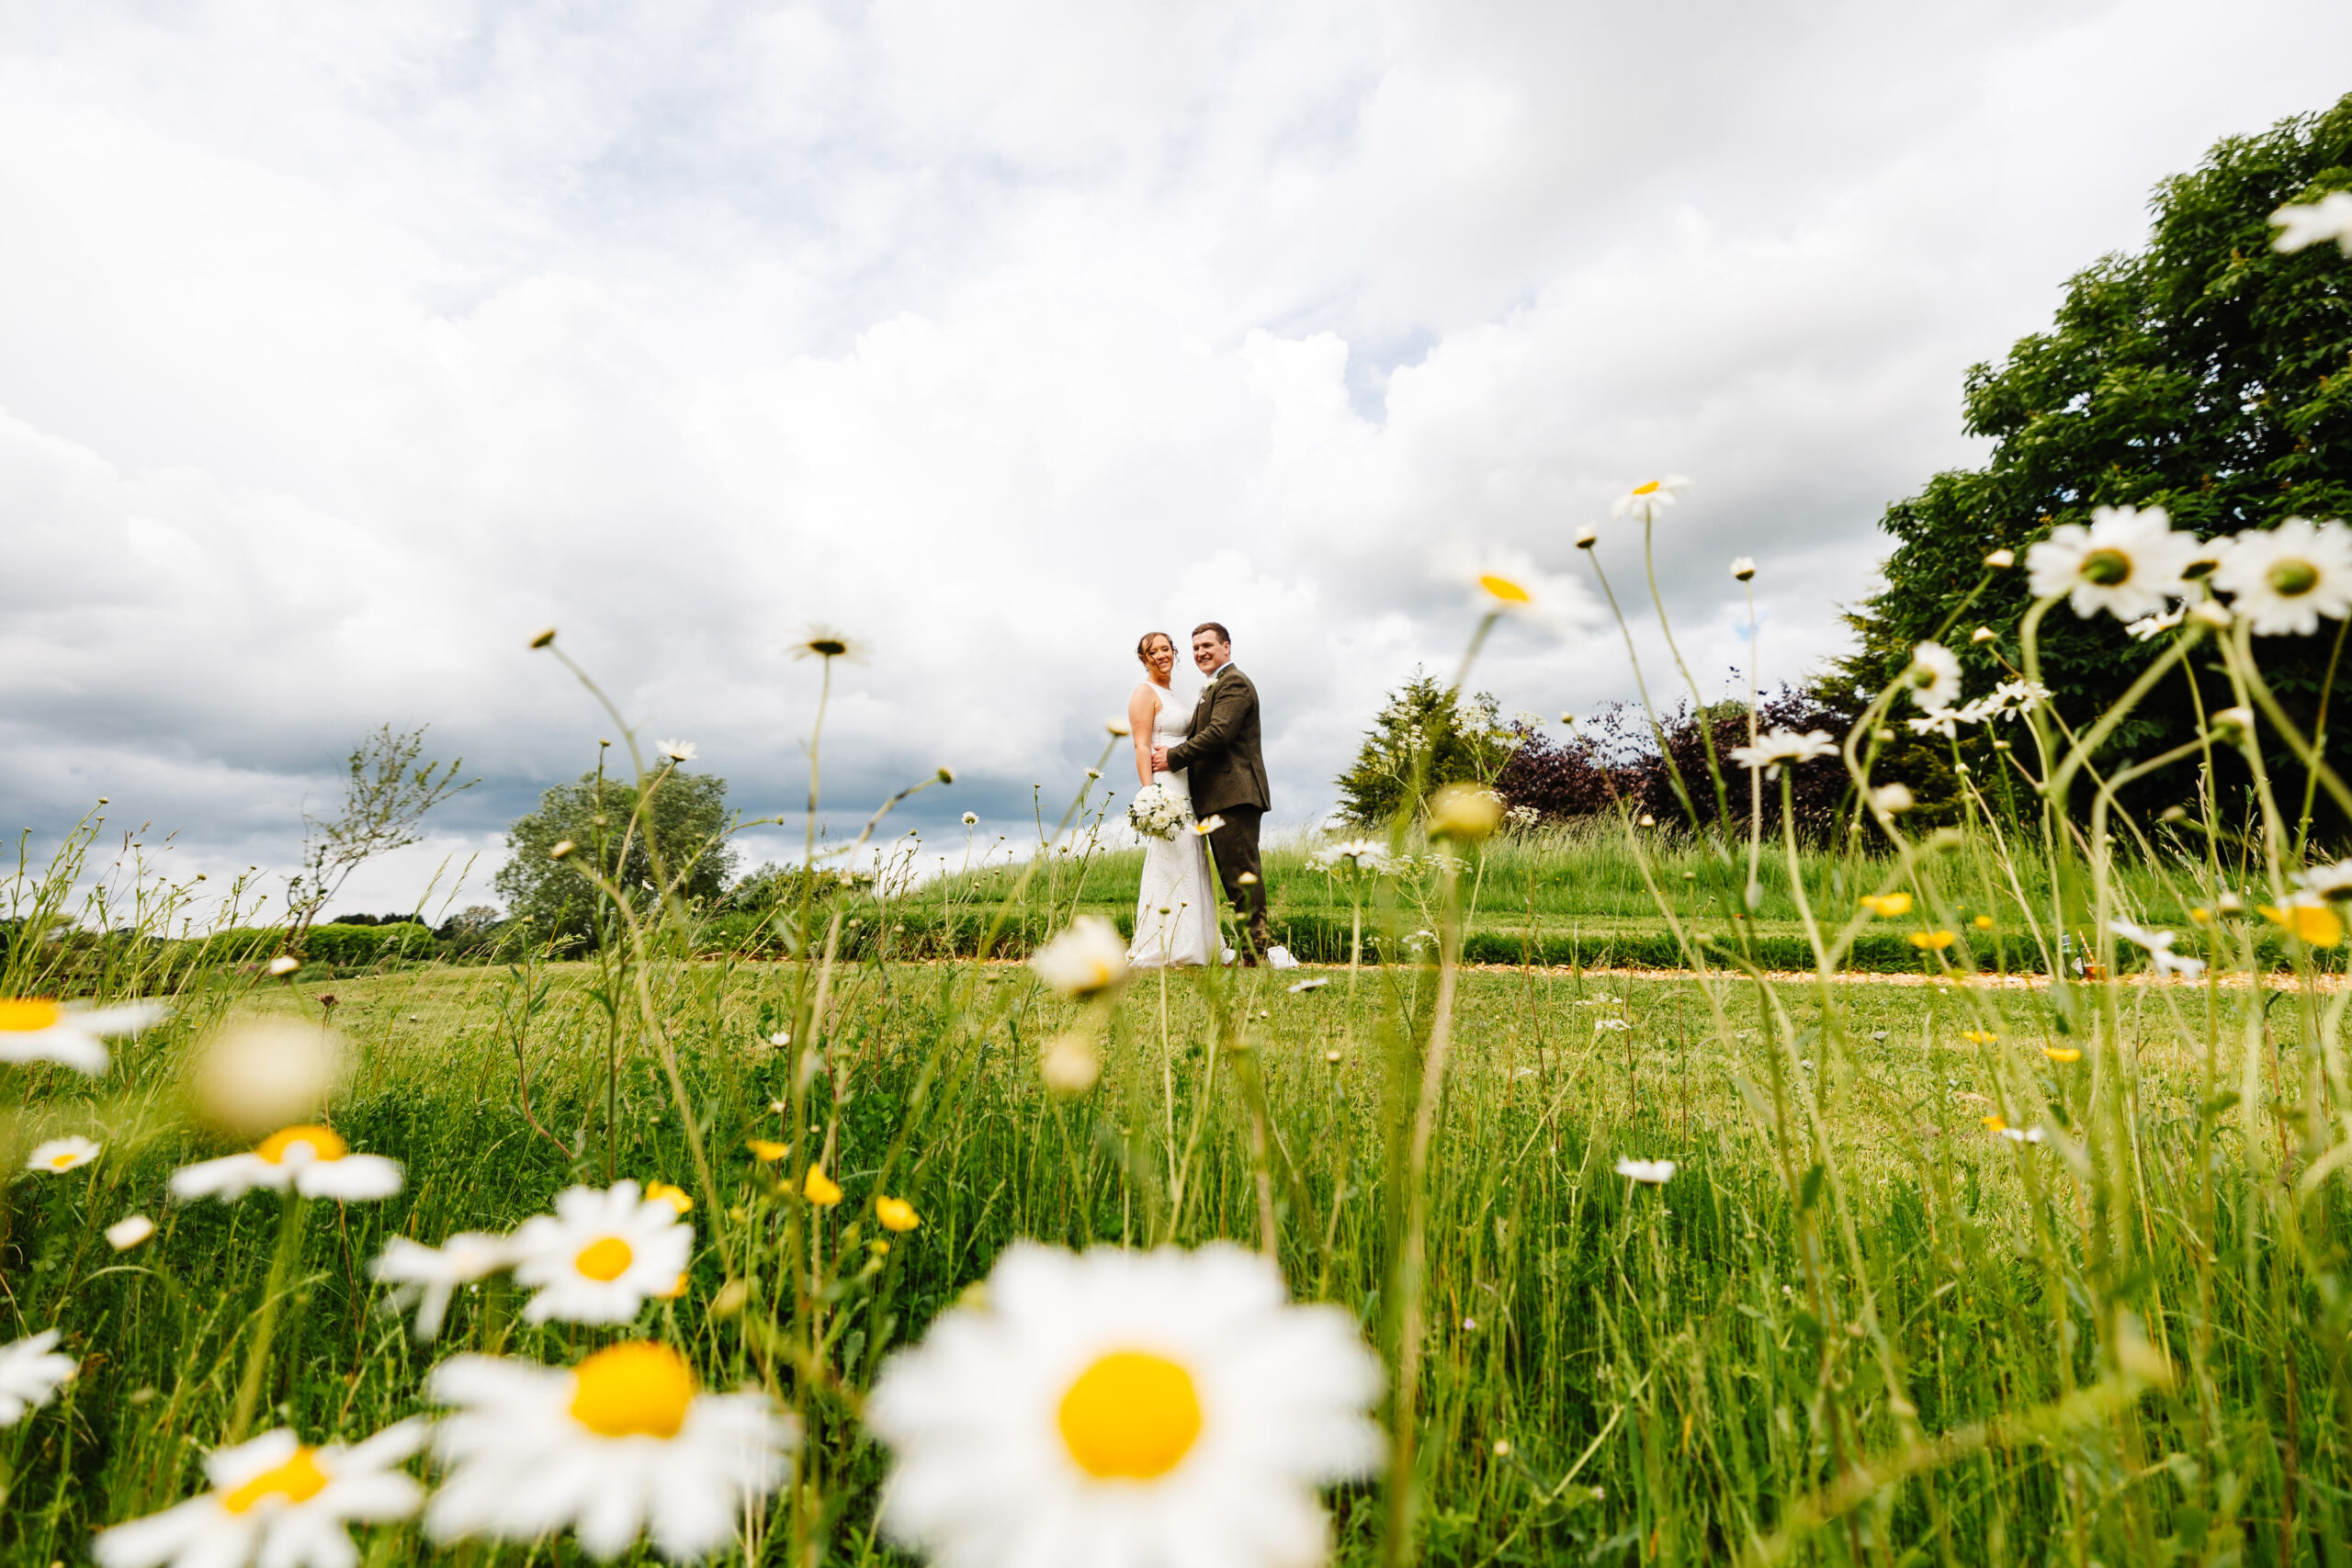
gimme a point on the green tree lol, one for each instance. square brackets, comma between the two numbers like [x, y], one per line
[391, 784]
[684, 817]
[2206, 375]
[1424, 724]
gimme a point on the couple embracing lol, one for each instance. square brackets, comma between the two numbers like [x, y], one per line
[1210, 758]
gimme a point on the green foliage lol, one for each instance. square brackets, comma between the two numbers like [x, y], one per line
[679, 828]
[2205, 374]
[351, 944]
[1423, 726]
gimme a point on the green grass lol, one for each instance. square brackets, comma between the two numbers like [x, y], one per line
[1672, 1369]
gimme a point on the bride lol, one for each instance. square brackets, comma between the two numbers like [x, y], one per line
[1175, 920]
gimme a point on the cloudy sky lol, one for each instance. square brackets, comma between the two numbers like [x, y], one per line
[344, 346]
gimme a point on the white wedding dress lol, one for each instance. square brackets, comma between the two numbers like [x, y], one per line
[1175, 912]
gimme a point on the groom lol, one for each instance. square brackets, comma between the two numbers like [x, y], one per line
[1227, 774]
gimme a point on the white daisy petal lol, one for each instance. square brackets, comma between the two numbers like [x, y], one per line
[601, 1255]
[2127, 562]
[61, 1155]
[1087, 958]
[1775, 747]
[34, 1029]
[312, 1160]
[1119, 1407]
[31, 1372]
[276, 1503]
[1501, 580]
[620, 1447]
[2283, 580]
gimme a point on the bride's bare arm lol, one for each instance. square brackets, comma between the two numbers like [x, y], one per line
[1141, 711]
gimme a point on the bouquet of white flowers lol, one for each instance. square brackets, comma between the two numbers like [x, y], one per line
[1159, 812]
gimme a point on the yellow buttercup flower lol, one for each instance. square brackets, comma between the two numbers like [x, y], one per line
[662, 1192]
[821, 1189]
[766, 1150]
[1983, 922]
[1933, 942]
[1979, 1036]
[896, 1213]
[1887, 904]
[1995, 1123]
[2061, 1052]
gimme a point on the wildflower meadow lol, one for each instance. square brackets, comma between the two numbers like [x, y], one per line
[915, 1227]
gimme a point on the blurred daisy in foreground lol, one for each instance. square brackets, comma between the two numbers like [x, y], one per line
[30, 1374]
[2127, 562]
[1125, 1407]
[1087, 958]
[34, 1029]
[623, 1444]
[1648, 1172]
[2158, 945]
[674, 751]
[61, 1155]
[1776, 747]
[425, 1277]
[1645, 501]
[1933, 677]
[277, 1503]
[2314, 922]
[129, 1231]
[313, 1161]
[2331, 880]
[600, 1254]
[1506, 582]
[2283, 580]
[2315, 223]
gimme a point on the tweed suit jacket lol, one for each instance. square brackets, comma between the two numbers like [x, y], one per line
[1221, 753]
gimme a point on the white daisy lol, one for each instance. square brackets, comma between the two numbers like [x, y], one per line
[2315, 223]
[1892, 798]
[1933, 677]
[34, 1029]
[600, 1254]
[277, 1503]
[1088, 957]
[1645, 501]
[2283, 580]
[674, 751]
[1743, 568]
[2331, 880]
[2161, 956]
[2147, 628]
[1775, 747]
[1504, 582]
[620, 1446]
[313, 1161]
[1364, 856]
[2127, 562]
[61, 1155]
[1648, 1172]
[1145, 1409]
[425, 1277]
[30, 1374]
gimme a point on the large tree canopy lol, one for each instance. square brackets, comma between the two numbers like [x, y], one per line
[2208, 375]
[684, 816]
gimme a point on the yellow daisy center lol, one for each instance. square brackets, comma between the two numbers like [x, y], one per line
[604, 1259]
[65, 1161]
[324, 1144]
[26, 1015]
[1131, 1417]
[2292, 579]
[1649, 488]
[2106, 568]
[633, 1390]
[1504, 589]
[298, 1481]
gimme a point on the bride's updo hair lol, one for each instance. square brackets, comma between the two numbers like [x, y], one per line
[1143, 647]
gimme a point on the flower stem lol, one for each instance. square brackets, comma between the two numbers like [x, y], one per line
[289, 1249]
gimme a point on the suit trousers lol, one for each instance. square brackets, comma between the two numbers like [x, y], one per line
[1235, 845]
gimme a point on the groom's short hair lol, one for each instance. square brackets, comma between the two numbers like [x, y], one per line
[1218, 627]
